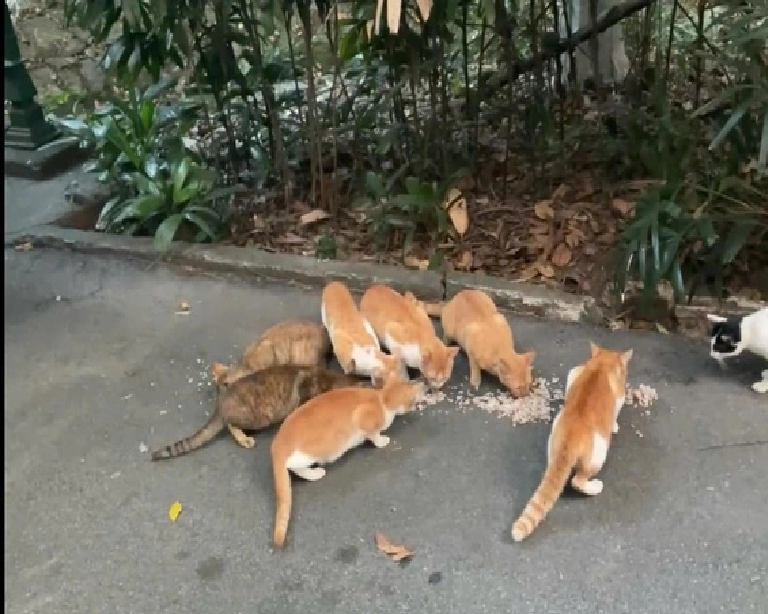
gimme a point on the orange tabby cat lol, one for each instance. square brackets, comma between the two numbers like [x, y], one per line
[352, 337]
[471, 318]
[323, 429]
[581, 433]
[403, 326]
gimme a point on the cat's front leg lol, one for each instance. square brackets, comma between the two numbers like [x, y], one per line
[475, 374]
[762, 385]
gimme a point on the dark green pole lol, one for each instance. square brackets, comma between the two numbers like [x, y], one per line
[28, 129]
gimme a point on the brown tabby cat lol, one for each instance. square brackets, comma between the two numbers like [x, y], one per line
[581, 434]
[259, 400]
[325, 428]
[299, 343]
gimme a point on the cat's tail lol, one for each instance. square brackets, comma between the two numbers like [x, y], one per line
[184, 446]
[282, 479]
[551, 487]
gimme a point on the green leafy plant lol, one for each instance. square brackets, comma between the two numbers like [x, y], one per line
[161, 187]
[419, 208]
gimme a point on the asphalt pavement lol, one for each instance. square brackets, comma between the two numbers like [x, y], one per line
[99, 367]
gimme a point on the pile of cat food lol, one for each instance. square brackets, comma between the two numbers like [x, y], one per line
[641, 396]
[535, 407]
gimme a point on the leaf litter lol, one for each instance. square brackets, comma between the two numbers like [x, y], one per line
[394, 551]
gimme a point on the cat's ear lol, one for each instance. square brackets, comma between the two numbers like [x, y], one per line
[529, 357]
[218, 371]
[594, 348]
[716, 319]
[626, 356]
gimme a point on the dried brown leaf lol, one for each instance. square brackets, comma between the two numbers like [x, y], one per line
[464, 263]
[412, 262]
[425, 8]
[456, 205]
[393, 551]
[290, 238]
[545, 269]
[313, 216]
[623, 206]
[543, 210]
[559, 192]
[562, 255]
[377, 17]
[394, 8]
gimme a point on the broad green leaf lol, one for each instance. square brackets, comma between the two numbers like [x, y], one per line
[147, 115]
[140, 207]
[676, 279]
[729, 125]
[735, 240]
[166, 231]
[374, 185]
[179, 178]
[199, 221]
[762, 158]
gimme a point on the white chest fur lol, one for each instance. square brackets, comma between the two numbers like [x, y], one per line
[409, 352]
[755, 333]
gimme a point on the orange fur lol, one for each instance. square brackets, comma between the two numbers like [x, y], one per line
[471, 318]
[353, 339]
[402, 324]
[323, 429]
[581, 434]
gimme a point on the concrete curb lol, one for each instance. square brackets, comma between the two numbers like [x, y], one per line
[518, 298]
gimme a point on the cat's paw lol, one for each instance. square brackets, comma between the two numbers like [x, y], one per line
[615, 428]
[761, 387]
[380, 440]
[593, 487]
[247, 442]
[311, 474]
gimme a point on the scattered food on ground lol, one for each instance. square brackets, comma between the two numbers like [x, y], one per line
[641, 396]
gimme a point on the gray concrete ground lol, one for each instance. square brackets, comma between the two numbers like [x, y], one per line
[98, 363]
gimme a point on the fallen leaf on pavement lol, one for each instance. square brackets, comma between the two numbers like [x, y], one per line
[562, 255]
[412, 262]
[183, 309]
[543, 210]
[313, 216]
[393, 551]
[456, 205]
[174, 511]
[545, 269]
[24, 247]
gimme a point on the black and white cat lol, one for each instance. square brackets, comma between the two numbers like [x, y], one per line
[731, 336]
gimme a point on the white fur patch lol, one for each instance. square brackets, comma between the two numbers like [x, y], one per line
[372, 333]
[409, 352]
[299, 460]
[599, 452]
[365, 359]
[549, 441]
[324, 318]
[572, 375]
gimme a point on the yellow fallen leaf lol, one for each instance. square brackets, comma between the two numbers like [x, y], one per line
[313, 216]
[456, 205]
[174, 511]
[543, 210]
[393, 551]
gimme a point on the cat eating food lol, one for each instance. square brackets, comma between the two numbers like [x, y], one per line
[325, 428]
[299, 343]
[729, 337]
[403, 326]
[581, 434]
[259, 400]
[353, 339]
[471, 318]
